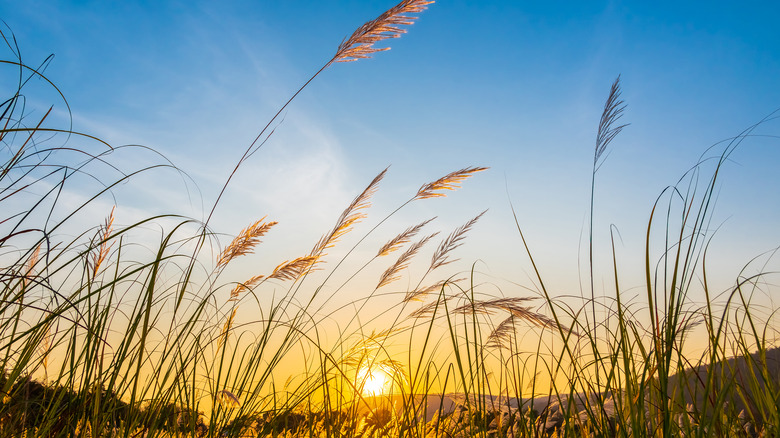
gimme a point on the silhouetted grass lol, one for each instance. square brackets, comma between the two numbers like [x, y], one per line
[98, 338]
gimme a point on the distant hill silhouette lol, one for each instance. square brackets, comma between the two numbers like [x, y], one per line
[737, 376]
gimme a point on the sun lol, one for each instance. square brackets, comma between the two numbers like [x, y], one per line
[374, 381]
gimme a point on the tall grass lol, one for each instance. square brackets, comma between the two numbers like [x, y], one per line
[101, 338]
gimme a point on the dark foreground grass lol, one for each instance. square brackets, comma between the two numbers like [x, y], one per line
[98, 338]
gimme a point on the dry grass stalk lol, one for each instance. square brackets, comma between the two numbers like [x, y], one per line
[420, 293]
[294, 269]
[245, 242]
[488, 307]
[351, 215]
[102, 236]
[511, 305]
[454, 240]
[447, 182]
[31, 262]
[535, 318]
[223, 336]
[501, 336]
[227, 399]
[613, 111]
[245, 286]
[44, 349]
[45, 346]
[360, 44]
[34, 258]
[402, 238]
[391, 274]
[427, 310]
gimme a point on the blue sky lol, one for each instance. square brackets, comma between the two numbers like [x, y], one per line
[516, 86]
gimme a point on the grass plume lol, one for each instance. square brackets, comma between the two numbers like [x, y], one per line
[245, 242]
[450, 181]
[361, 44]
[402, 239]
[613, 111]
[293, 269]
[391, 274]
[453, 241]
[349, 217]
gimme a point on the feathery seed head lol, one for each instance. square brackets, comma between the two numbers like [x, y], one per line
[294, 269]
[228, 399]
[223, 336]
[351, 215]
[501, 336]
[453, 241]
[245, 286]
[429, 309]
[613, 111]
[447, 182]
[360, 44]
[391, 274]
[419, 293]
[245, 242]
[514, 306]
[34, 258]
[102, 252]
[401, 239]
[31, 262]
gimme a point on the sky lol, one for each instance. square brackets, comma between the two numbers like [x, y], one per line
[515, 86]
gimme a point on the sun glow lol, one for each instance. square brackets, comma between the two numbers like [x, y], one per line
[374, 381]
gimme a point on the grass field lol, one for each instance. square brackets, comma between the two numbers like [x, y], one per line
[139, 329]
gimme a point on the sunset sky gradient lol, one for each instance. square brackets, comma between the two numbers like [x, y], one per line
[514, 86]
